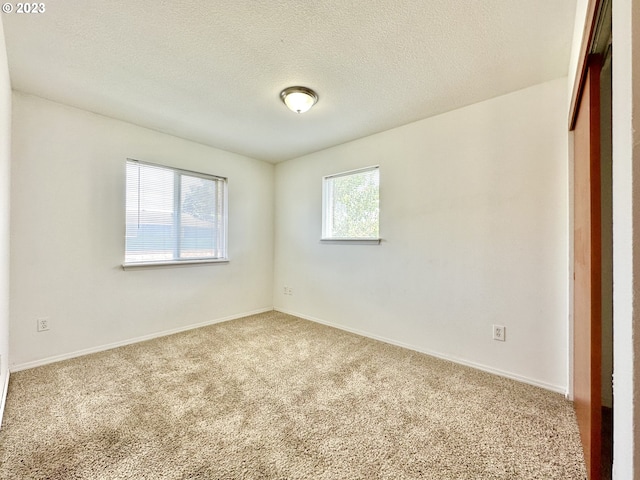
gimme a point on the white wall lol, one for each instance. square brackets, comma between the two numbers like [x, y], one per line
[67, 207]
[474, 228]
[626, 239]
[5, 154]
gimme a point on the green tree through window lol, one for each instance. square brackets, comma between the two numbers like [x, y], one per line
[352, 204]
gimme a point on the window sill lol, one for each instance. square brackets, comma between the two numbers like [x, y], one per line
[352, 241]
[172, 263]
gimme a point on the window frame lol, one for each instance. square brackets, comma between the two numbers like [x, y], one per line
[326, 204]
[178, 172]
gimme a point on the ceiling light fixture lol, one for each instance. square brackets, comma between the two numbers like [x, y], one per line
[299, 99]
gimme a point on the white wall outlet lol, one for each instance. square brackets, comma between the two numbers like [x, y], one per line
[288, 290]
[499, 332]
[43, 324]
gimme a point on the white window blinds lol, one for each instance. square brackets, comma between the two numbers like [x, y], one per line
[174, 215]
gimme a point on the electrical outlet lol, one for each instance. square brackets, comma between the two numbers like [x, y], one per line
[43, 324]
[499, 332]
[288, 290]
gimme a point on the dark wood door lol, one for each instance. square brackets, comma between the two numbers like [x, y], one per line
[587, 268]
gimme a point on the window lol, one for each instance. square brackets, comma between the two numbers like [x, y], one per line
[351, 205]
[174, 216]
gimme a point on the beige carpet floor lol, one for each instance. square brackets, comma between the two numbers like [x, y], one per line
[275, 397]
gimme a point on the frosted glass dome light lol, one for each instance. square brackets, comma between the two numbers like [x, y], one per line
[299, 99]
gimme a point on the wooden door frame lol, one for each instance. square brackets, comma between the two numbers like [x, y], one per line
[588, 269]
[594, 10]
[586, 337]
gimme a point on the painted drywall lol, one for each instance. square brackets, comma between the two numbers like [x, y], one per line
[474, 226]
[67, 218]
[5, 168]
[626, 238]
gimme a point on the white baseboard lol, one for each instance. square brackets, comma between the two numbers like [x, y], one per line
[547, 386]
[3, 398]
[109, 346]
[57, 358]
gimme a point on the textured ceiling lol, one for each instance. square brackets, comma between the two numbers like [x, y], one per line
[212, 71]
